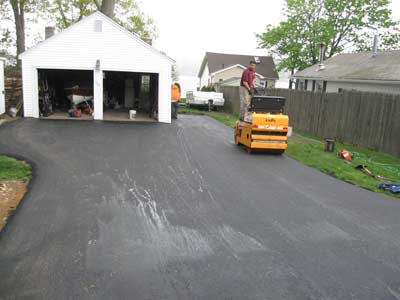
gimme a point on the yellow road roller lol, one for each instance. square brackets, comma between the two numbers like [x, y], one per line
[265, 126]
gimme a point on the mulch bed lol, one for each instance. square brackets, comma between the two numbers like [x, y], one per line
[11, 193]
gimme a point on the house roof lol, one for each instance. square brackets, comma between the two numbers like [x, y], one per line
[97, 14]
[385, 66]
[218, 61]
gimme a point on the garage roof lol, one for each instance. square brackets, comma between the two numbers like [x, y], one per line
[96, 14]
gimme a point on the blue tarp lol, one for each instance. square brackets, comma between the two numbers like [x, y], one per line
[394, 188]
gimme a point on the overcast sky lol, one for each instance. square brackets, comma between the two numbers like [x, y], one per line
[189, 28]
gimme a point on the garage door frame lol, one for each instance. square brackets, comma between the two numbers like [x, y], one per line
[98, 113]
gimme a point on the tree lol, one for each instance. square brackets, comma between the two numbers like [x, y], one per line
[19, 9]
[175, 73]
[107, 7]
[126, 12]
[339, 24]
[65, 12]
[6, 40]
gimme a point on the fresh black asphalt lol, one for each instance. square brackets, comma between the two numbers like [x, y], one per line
[158, 211]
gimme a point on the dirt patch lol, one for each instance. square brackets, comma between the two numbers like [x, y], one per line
[11, 193]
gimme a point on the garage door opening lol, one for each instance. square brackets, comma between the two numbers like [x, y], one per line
[130, 96]
[65, 94]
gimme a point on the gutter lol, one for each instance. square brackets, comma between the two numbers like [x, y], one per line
[394, 82]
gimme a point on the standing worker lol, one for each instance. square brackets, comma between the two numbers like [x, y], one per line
[175, 97]
[246, 84]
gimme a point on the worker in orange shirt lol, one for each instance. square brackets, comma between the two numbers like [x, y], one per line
[175, 97]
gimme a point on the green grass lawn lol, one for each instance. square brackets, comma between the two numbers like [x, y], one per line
[11, 169]
[310, 151]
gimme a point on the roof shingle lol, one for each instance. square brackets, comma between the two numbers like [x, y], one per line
[218, 61]
[357, 66]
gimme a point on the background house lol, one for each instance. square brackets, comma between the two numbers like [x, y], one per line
[219, 69]
[365, 71]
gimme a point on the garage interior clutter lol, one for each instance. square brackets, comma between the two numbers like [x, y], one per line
[69, 94]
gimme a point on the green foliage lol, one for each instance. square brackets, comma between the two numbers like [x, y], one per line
[6, 40]
[208, 88]
[11, 169]
[175, 73]
[66, 12]
[339, 24]
[129, 15]
[22, 13]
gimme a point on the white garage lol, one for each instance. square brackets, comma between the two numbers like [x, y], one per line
[99, 69]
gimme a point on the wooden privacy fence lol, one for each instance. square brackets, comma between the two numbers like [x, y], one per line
[370, 120]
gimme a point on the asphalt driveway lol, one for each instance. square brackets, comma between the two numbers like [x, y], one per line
[152, 211]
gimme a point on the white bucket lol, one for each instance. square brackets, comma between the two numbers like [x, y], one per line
[290, 131]
[132, 114]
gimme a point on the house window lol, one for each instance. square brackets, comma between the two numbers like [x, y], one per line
[313, 85]
[340, 90]
[98, 26]
[301, 88]
[297, 84]
[306, 84]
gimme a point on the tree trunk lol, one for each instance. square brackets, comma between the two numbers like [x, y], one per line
[107, 7]
[19, 17]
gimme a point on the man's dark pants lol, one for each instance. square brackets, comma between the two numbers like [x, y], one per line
[174, 109]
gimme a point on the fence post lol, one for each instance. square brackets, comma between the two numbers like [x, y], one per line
[2, 91]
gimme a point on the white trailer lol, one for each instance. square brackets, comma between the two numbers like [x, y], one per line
[210, 99]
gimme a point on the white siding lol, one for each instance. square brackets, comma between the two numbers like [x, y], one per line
[237, 72]
[98, 94]
[333, 87]
[227, 74]
[79, 46]
[2, 92]
[205, 77]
